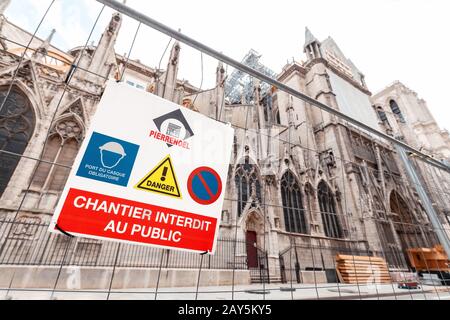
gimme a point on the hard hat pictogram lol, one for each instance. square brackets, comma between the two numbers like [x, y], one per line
[111, 153]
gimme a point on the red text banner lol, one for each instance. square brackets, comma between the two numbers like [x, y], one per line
[109, 217]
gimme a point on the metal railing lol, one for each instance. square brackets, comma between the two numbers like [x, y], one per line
[27, 242]
[24, 241]
[316, 255]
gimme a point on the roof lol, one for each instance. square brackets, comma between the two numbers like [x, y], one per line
[309, 37]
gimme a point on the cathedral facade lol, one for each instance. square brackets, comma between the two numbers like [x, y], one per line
[303, 185]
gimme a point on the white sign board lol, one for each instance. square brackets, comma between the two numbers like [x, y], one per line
[149, 171]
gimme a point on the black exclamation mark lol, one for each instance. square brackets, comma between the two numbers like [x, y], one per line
[164, 173]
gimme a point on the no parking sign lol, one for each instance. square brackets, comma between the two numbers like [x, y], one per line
[204, 185]
[144, 174]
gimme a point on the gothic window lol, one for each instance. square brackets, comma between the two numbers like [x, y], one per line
[389, 161]
[248, 185]
[327, 206]
[405, 223]
[60, 150]
[382, 116]
[17, 123]
[387, 239]
[266, 116]
[294, 212]
[268, 111]
[277, 117]
[396, 110]
[381, 216]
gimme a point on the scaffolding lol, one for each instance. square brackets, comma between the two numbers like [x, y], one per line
[240, 86]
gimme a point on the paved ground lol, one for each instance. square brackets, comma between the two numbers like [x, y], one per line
[249, 292]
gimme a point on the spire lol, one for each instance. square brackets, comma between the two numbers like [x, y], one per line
[220, 74]
[43, 48]
[170, 76]
[174, 53]
[2, 23]
[220, 89]
[309, 38]
[3, 5]
[103, 58]
[312, 45]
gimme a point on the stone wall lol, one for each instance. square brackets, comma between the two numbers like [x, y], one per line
[91, 278]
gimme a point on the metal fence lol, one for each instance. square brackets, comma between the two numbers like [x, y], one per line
[316, 254]
[25, 241]
[30, 243]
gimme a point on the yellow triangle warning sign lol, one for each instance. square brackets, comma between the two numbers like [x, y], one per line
[161, 180]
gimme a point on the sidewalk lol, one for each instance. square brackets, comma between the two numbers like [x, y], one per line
[244, 292]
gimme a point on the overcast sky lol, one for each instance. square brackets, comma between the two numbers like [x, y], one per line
[388, 40]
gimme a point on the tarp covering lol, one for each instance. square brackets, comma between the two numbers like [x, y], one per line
[353, 102]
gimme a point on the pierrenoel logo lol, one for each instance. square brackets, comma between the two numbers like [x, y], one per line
[173, 129]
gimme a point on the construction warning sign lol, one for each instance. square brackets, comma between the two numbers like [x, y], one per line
[161, 179]
[149, 172]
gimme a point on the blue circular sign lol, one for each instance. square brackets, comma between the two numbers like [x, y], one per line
[204, 185]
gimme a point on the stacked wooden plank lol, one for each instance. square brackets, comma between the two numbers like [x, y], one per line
[362, 269]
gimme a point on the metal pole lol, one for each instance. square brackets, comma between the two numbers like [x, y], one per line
[434, 219]
[239, 66]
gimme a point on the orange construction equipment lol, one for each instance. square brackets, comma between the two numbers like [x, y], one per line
[429, 259]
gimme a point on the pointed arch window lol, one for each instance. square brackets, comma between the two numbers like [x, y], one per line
[381, 217]
[391, 252]
[17, 122]
[382, 116]
[327, 206]
[396, 110]
[248, 185]
[268, 103]
[277, 117]
[293, 210]
[406, 225]
[60, 150]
